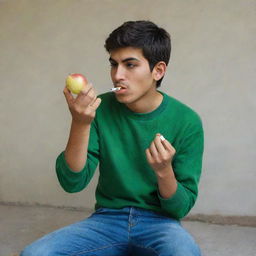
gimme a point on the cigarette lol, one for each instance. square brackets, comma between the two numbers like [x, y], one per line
[162, 138]
[114, 89]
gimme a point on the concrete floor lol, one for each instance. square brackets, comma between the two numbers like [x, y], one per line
[20, 225]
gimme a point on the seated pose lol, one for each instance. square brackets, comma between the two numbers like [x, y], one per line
[149, 148]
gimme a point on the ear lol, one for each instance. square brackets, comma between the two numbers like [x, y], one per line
[159, 70]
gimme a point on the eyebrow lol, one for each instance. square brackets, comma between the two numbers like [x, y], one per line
[125, 60]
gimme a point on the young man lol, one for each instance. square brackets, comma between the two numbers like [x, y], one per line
[149, 149]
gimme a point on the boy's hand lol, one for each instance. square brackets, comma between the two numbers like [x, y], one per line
[160, 154]
[83, 107]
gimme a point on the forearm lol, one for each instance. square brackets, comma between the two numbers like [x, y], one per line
[77, 146]
[167, 184]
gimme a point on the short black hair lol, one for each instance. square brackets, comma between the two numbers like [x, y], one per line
[154, 41]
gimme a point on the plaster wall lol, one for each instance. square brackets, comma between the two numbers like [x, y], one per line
[212, 69]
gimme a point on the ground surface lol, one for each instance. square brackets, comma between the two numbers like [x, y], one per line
[20, 225]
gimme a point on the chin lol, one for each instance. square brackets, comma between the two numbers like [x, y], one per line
[124, 101]
[128, 99]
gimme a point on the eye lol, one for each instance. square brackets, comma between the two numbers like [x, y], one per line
[130, 65]
[113, 64]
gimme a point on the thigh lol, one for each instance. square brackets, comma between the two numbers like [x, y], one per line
[94, 236]
[163, 237]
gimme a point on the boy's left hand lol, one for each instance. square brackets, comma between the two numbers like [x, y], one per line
[160, 155]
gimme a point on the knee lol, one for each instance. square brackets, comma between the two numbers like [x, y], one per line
[30, 251]
[177, 247]
[34, 250]
[188, 250]
[26, 252]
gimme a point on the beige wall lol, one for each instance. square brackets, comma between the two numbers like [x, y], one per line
[212, 69]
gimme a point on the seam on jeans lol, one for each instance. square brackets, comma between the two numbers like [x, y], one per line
[93, 250]
[129, 230]
[143, 247]
[129, 224]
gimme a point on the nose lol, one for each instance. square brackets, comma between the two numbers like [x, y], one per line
[118, 73]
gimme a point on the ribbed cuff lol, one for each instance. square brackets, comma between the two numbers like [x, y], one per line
[66, 170]
[177, 204]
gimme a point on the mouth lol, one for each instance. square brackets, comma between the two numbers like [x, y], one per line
[118, 85]
[119, 88]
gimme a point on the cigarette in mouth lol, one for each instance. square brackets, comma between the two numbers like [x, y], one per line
[114, 89]
[162, 138]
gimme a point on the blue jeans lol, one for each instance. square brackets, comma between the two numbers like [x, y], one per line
[118, 232]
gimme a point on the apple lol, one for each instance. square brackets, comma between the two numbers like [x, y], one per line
[76, 82]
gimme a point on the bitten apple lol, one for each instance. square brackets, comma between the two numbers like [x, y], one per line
[76, 82]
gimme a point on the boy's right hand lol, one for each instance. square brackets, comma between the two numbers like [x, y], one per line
[83, 107]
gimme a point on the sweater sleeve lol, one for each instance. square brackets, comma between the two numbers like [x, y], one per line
[72, 181]
[187, 165]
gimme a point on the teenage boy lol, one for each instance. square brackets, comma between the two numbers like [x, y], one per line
[149, 149]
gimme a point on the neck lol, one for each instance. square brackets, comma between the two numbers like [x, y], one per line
[147, 103]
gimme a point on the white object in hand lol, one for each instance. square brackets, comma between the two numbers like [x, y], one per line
[114, 89]
[162, 138]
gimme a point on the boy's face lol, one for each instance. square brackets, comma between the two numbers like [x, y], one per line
[130, 70]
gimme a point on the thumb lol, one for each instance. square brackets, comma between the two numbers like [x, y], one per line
[69, 97]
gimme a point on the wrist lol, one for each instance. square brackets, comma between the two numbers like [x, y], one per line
[80, 124]
[80, 129]
[167, 184]
[166, 173]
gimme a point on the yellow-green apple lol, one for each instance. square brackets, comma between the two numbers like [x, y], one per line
[76, 82]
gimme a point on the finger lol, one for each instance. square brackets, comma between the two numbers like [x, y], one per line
[159, 145]
[86, 95]
[153, 150]
[86, 89]
[162, 138]
[68, 95]
[92, 95]
[168, 146]
[149, 156]
[96, 103]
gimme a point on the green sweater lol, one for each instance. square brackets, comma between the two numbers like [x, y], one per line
[118, 140]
